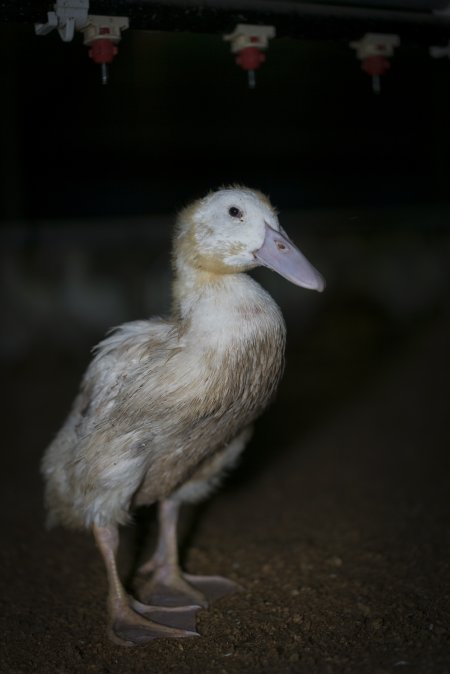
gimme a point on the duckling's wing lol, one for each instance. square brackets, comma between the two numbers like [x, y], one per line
[92, 465]
[110, 377]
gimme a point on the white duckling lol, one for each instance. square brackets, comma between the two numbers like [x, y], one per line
[166, 406]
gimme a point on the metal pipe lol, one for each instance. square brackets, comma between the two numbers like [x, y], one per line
[297, 19]
[292, 19]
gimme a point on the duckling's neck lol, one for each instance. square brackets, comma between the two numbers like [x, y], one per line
[222, 307]
[189, 285]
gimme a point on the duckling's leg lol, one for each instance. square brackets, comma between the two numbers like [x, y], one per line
[169, 586]
[131, 622]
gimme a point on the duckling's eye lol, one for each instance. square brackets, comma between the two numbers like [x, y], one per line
[235, 212]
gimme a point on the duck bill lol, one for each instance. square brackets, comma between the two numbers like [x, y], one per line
[281, 255]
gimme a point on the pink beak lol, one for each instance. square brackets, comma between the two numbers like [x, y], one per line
[281, 255]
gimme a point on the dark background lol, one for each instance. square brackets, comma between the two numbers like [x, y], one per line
[178, 118]
[337, 520]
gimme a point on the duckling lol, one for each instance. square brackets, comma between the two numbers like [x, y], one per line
[166, 406]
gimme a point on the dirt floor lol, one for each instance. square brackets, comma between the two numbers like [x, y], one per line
[336, 525]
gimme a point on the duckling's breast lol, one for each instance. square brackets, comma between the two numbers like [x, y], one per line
[235, 356]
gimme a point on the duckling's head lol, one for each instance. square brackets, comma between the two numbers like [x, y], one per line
[236, 229]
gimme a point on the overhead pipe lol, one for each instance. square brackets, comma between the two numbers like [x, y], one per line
[424, 23]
